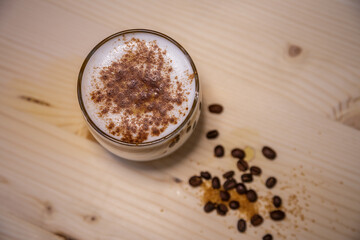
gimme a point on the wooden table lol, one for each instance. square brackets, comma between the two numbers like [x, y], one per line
[286, 72]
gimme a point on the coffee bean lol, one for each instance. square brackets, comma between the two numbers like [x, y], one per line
[234, 204]
[241, 188]
[242, 165]
[229, 184]
[256, 220]
[215, 108]
[270, 182]
[206, 175]
[241, 225]
[246, 177]
[215, 183]
[225, 196]
[277, 215]
[256, 171]
[221, 209]
[269, 153]
[212, 134]
[209, 206]
[251, 195]
[229, 174]
[238, 153]
[219, 151]
[195, 181]
[268, 237]
[277, 201]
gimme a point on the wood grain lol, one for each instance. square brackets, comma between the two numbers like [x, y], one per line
[287, 74]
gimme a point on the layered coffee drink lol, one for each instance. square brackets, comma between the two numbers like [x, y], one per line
[139, 88]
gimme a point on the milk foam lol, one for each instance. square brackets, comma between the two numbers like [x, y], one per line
[112, 51]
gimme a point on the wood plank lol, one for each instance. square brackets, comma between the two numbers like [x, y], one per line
[57, 182]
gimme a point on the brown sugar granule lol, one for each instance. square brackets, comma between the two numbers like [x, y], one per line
[138, 88]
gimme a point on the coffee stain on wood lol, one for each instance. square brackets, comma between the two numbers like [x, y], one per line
[35, 100]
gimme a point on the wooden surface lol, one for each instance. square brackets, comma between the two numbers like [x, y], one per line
[287, 73]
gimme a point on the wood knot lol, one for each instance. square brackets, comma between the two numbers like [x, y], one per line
[48, 208]
[64, 236]
[3, 180]
[294, 51]
[177, 180]
[91, 218]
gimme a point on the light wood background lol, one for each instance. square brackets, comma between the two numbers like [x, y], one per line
[287, 73]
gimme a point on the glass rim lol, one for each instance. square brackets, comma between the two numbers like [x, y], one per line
[150, 143]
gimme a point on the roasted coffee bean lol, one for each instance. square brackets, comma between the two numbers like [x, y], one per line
[229, 174]
[209, 206]
[256, 220]
[268, 237]
[277, 215]
[229, 184]
[205, 175]
[234, 204]
[269, 153]
[241, 225]
[215, 108]
[277, 201]
[238, 153]
[219, 151]
[241, 188]
[195, 181]
[215, 183]
[242, 165]
[221, 209]
[256, 171]
[251, 195]
[270, 182]
[212, 134]
[225, 196]
[246, 177]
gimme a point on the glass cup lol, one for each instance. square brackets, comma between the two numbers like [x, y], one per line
[147, 150]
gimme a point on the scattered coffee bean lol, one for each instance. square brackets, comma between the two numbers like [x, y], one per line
[205, 175]
[270, 182]
[256, 220]
[219, 151]
[234, 204]
[221, 209]
[269, 153]
[242, 165]
[225, 196]
[268, 237]
[246, 177]
[241, 226]
[229, 174]
[209, 206]
[277, 215]
[215, 183]
[277, 201]
[241, 188]
[215, 108]
[195, 181]
[251, 195]
[212, 134]
[229, 184]
[256, 171]
[238, 153]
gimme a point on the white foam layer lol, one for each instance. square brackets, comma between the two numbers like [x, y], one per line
[112, 51]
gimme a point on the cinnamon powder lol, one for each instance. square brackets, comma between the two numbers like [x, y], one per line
[138, 89]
